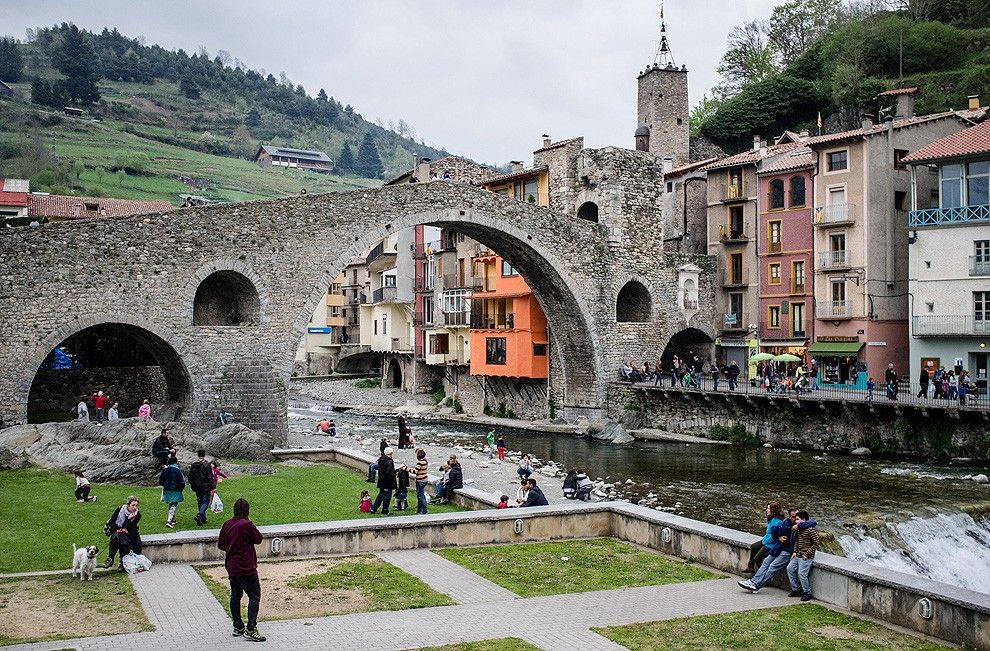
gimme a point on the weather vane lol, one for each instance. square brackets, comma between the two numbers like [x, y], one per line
[664, 57]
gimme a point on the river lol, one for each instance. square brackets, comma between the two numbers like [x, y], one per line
[913, 517]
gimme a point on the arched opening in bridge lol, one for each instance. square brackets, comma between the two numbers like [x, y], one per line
[393, 375]
[588, 211]
[633, 304]
[686, 344]
[128, 363]
[226, 298]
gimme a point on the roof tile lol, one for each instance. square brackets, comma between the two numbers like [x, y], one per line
[66, 207]
[968, 142]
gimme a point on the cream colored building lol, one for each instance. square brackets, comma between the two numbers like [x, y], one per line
[319, 350]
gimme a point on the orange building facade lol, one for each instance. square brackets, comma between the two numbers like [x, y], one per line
[508, 335]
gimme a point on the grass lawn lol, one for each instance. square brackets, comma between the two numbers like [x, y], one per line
[58, 607]
[805, 627]
[330, 586]
[41, 519]
[504, 644]
[537, 569]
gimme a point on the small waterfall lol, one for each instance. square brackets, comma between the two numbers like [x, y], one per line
[949, 547]
[309, 406]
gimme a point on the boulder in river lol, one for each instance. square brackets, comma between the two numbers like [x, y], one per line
[862, 452]
[981, 479]
[610, 432]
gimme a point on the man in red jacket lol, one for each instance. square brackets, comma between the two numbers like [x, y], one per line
[238, 536]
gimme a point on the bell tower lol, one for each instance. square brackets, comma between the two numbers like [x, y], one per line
[662, 103]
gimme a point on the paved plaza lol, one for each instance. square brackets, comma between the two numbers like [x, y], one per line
[186, 616]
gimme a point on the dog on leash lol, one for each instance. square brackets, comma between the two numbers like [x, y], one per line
[84, 561]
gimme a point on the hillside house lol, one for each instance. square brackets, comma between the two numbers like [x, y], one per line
[56, 208]
[272, 156]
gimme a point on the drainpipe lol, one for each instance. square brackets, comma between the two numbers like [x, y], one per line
[684, 211]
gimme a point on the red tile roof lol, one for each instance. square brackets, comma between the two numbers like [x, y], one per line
[880, 127]
[800, 158]
[690, 167]
[64, 207]
[752, 156]
[18, 199]
[512, 176]
[968, 142]
[899, 91]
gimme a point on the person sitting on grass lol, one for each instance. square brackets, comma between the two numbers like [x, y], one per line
[799, 567]
[365, 505]
[83, 488]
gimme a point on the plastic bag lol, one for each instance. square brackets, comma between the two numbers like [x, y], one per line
[216, 504]
[134, 563]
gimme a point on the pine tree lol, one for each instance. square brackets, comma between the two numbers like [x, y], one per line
[345, 162]
[369, 163]
[11, 63]
[76, 60]
[39, 91]
[188, 87]
[253, 118]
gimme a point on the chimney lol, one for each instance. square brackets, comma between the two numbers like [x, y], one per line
[423, 170]
[546, 140]
[974, 102]
[516, 165]
[905, 105]
[867, 122]
[668, 164]
[804, 133]
[756, 141]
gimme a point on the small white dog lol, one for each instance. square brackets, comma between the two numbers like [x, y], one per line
[84, 561]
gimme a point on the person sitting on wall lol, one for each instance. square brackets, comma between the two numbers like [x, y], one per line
[535, 497]
[162, 449]
[626, 371]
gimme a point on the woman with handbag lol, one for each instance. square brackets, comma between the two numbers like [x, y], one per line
[122, 528]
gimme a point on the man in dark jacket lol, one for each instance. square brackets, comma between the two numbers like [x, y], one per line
[201, 481]
[784, 533]
[386, 481]
[237, 539]
[162, 448]
[403, 432]
[535, 496]
[733, 374]
[924, 380]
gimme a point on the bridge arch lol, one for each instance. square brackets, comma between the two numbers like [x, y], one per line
[227, 293]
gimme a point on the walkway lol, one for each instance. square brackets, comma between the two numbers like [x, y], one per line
[186, 615]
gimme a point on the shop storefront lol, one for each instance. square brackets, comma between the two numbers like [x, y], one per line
[840, 361]
[738, 351]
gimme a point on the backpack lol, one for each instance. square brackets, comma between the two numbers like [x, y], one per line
[201, 477]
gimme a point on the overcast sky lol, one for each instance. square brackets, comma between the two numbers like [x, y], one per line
[481, 78]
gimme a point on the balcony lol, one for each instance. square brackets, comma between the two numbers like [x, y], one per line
[448, 240]
[688, 304]
[456, 281]
[780, 331]
[353, 320]
[833, 310]
[481, 321]
[798, 289]
[733, 321]
[836, 214]
[775, 247]
[733, 237]
[385, 295]
[738, 279]
[956, 325]
[734, 192]
[828, 260]
[375, 253]
[456, 319]
[940, 216]
[979, 265]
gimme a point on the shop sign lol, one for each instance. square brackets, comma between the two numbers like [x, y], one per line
[837, 339]
[730, 319]
[876, 343]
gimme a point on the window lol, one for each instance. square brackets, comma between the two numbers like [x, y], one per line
[899, 197]
[539, 350]
[951, 186]
[837, 242]
[777, 194]
[838, 160]
[375, 323]
[428, 310]
[440, 344]
[384, 324]
[495, 350]
[431, 272]
[456, 301]
[981, 308]
[531, 191]
[797, 277]
[354, 276]
[335, 311]
[773, 316]
[774, 236]
[899, 154]
[797, 191]
[735, 222]
[797, 320]
[736, 269]
[735, 190]
[334, 289]
[735, 315]
[982, 250]
[388, 281]
[774, 274]
[508, 269]
[838, 291]
[978, 183]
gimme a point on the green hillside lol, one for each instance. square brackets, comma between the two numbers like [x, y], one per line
[157, 123]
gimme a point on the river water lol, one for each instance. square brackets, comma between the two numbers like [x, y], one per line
[907, 516]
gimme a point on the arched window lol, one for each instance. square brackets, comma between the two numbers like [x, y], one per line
[776, 194]
[226, 298]
[633, 304]
[588, 211]
[797, 191]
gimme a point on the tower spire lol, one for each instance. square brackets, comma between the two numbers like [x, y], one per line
[663, 58]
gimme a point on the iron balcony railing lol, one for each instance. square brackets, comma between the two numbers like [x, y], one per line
[833, 259]
[456, 318]
[979, 265]
[734, 191]
[457, 281]
[836, 213]
[385, 294]
[375, 253]
[733, 236]
[833, 309]
[734, 279]
[950, 325]
[798, 288]
[733, 321]
[938, 216]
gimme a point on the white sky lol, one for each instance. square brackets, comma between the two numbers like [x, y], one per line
[481, 78]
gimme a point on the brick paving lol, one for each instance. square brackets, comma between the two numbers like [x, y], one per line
[186, 615]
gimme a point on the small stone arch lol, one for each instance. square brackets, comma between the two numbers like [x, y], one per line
[696, 339]
[226, 298]
[588, 211]
[393, 375]
[633, 304]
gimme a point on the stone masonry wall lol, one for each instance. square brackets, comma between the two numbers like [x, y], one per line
[59, 390]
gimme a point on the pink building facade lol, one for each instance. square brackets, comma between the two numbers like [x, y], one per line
[785, 251]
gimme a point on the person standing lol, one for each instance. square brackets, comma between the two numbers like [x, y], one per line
[500, 446]
[386, 482]
[890, 379]
[114, 413]
[924, 379]
[403, 431]
[82, 410]
[733, 374]
[144, 411]
[716, 375]
[100, 402]
[402, 488]
[237, 539]
[421, 476]
[490, 440]
[799, 567]
[173, 483]
[202, 482]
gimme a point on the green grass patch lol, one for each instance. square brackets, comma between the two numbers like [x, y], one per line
[538, 569]
[807, 627]
[330, 586]
[368, 383]
[305, 494]
[504, 644]
[45, 608]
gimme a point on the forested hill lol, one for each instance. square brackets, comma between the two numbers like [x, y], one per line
[209, 104]
[834, 57]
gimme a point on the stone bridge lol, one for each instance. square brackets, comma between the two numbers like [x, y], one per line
[220, 296]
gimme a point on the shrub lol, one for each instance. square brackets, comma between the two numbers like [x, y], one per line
[458, 407]
[632, 406]
[736, 434]
[131, 162]
[368, 383]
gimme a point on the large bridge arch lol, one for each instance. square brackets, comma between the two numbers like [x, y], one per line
[147, 268]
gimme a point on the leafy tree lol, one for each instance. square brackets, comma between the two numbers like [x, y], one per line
[243, 144]
[749, 57]
[48, 93]
[189, 88]
[345, 162]
[74, 58]
[369, 163]
[704, 110]
[253, 118]
[796, 25]
[11, 63]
